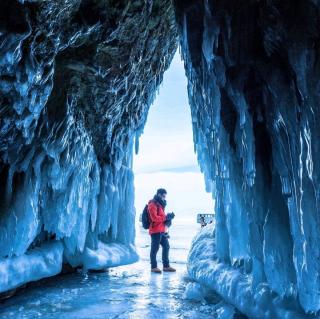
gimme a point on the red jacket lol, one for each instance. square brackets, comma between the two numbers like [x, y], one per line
[157, 217]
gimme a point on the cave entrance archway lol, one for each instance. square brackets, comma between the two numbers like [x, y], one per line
[166, 158]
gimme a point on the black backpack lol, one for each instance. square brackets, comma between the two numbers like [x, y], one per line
[145, 218]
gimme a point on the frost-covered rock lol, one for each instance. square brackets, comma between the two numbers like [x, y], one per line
[76, 82]
[235, 285]
[253, 84]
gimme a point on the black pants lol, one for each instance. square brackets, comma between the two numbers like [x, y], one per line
[157, 240]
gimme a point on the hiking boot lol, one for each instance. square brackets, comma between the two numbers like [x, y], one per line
[156, 270]
[170, 269]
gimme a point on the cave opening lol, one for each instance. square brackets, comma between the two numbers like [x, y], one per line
[166, 159]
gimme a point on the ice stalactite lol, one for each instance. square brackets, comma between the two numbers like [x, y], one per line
[253, 83]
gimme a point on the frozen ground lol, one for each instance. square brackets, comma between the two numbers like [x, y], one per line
[123, 292]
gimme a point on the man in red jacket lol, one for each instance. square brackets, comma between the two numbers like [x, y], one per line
[157, 230]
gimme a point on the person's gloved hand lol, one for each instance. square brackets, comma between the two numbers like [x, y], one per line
[170, 216]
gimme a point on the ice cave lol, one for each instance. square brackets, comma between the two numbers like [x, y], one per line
[77, 79]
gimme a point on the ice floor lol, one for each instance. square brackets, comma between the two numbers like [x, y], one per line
[123, 292]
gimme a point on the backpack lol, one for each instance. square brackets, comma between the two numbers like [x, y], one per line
[145, 218]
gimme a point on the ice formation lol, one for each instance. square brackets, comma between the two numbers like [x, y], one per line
[234, 285]
[76, 81]
[38, 263]
[253, 83]
[194, 291]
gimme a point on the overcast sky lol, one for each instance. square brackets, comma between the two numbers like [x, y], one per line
[166, 157]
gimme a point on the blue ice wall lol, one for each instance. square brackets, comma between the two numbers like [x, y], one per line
[76, 81]
[253, 82]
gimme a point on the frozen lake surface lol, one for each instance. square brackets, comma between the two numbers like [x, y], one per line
[123, 292]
